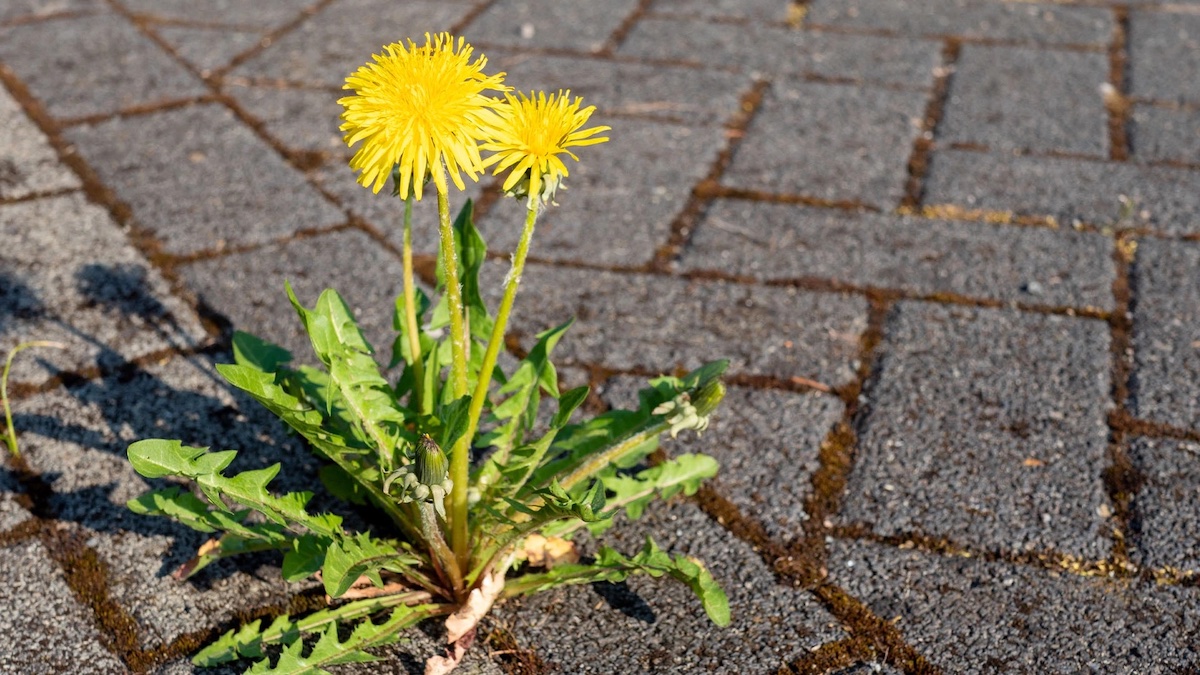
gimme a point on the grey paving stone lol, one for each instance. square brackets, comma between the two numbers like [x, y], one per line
[12, 502]
[101, 64]
[987, 427]
[248, 288]
[1011, 98]
[28, 163]
[1166, 508]
[969, 616]
[1163, 49]
[771, 51]
[767, 10]
[916, 255]
[261, 13]
[48, 630]
[68, 274]
[622, 196]
[25, 9]
[1067, 189]
[831, 142]
[576, 25]
[767, 442]
[341, 37]
[208, 48]
[76, 439]
[1165, 135]
[1166, 332]
[300, 119]
[200, 180]
[686, 95]
[979, 19]
[874, 668]
[660, 323]
[656, 625]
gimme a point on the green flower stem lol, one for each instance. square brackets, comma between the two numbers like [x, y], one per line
[412, 328]
[597, 462]
[459, 457]
[11, 438]
[441, 554]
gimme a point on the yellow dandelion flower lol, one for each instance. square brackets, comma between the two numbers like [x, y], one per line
[529, 133]
[419, 108]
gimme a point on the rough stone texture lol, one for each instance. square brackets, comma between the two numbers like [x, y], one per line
[969, 616]
[67, 274]
[208, 49]
[48, 630]
[659, 323]
[917, 255]
[76, 439]
[979, 19]
[1165, 135]
[630, 188]
[772, 51]
[28, 164]
[767, 10]
[261, 13]
[1067, 189]
[577, 25]
[1163, 49]
[248, 288]
[300, 119]
[987, 427]
[12, 509]
[767, 443]
[684, 95]
[831, 142]
[335, 41]
[171, 168]
[1028, 99]
[26, 9]
[656, 625]
[1167, 505]
[1166, 332]
[101, 64]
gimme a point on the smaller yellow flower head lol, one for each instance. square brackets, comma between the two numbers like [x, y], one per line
[419, 108]
[527, 135]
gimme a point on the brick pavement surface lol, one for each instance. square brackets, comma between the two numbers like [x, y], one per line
[950, 247]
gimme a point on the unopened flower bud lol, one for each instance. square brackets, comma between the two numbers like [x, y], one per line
[432, 465]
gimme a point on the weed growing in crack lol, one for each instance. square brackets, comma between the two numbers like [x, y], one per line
[467, 535]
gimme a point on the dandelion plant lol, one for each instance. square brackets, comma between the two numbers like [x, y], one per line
[455, 535]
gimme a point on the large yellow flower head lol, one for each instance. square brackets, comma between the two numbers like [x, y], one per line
[418, 108]
[527, 135]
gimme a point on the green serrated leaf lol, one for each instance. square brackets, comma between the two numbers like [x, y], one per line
[348, 559]
[305, 558]
[254, 352]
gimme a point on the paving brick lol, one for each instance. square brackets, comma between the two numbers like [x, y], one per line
[656, 625]
[767, 10]
[660, 323]
[577, 25]
[831, 142]
[767, 442]
[977, 19]
[48, 630]
[69, 275]
[76, 439]
[335, 41]
[873, 668]
[1067, 189]
[28, 164]
[262, 13]
[1167, 506]
[12, 502]
[199, 180]
[300, 119]
[987, 427]
[772, 51]
[26, 9]
[1164, 49]
[101, 64]
[1165, 134]
[915, 255]
[1011, 98]
[248, 288]
[1166, 332]
[970, 616]
[622, 196]
[685, 95]
[208, 49]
